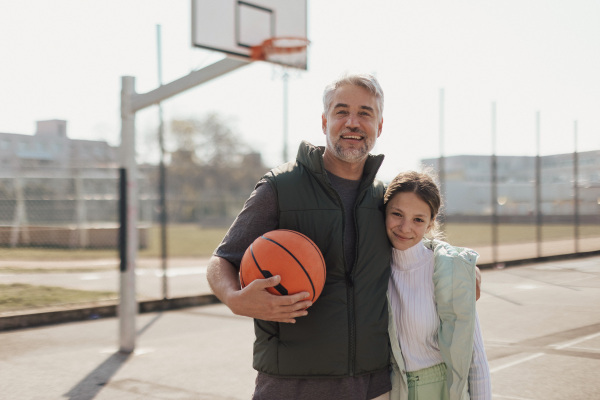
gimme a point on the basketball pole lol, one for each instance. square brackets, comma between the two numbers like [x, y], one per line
[127, 303]
[132, 102]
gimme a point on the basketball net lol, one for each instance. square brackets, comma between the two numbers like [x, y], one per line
[288, 51]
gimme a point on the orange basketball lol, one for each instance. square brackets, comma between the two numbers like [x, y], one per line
[289, 254]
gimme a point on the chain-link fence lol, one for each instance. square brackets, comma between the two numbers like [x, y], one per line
[60, 227]
[65, 208]
[519, 208]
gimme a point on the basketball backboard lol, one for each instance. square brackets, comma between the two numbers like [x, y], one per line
[234, 26]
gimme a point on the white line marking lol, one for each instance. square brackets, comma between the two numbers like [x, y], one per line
[590, 349]
[572, 342]
[89, 277]
[499, 396]
[516, 362]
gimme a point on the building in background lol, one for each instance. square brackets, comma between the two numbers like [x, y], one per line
[468, 188]
[56, 191]
[50, 149]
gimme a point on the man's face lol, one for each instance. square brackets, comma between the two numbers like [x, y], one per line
[352, 124]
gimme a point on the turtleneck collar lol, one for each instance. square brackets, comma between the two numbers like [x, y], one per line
[412, 258]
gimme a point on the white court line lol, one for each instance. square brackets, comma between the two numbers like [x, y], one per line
[589, 349]
[516, 362]
[572, 342]
[136, 352]
[499, 396]
[557, 346]
[89, 277]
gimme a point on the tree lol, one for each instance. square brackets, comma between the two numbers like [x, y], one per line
[212, 170]
[211, 140]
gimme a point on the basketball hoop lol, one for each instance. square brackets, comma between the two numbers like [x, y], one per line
[289, 51]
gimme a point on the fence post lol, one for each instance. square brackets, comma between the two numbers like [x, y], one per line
[538, 187]
[82, 238]
[19, 231]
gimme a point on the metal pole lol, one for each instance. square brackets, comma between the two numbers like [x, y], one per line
[128, 304]
[131, 102]
[162, 175]
[285, 78]
[576, 188]
[494, 194]
[538, 191]
[441, 166]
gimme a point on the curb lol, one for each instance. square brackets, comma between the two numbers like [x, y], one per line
[538, 260]
[36, 319]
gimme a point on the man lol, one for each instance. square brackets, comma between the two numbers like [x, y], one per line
[338, 347]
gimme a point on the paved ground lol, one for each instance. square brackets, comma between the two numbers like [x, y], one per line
[185, 276]
[541, 326]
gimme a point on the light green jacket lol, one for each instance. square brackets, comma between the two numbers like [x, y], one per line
[454, 290]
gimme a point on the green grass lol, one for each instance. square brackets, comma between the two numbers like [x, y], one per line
[19, 296]
[182, 241]
[193, 241]
[481, 234]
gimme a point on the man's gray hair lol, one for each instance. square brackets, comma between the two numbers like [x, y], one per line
[366, 81]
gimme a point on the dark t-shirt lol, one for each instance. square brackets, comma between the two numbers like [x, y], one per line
[258, 216]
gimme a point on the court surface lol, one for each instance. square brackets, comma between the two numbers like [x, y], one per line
[541, 326]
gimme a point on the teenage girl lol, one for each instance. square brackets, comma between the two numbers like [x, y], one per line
[437, 347]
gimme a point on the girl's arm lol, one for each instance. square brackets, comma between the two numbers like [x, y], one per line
[480, 385]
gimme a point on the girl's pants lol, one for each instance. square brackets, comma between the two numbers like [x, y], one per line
[428, 383]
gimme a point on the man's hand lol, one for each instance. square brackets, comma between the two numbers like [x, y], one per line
[477, 283]
[255, 301]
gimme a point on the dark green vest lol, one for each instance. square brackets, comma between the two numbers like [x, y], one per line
[345, 332]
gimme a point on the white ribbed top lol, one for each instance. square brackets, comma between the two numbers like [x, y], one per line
[412, 300]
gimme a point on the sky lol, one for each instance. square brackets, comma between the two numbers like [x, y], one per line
[64, 59]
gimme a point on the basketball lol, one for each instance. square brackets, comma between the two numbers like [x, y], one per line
[289, 254]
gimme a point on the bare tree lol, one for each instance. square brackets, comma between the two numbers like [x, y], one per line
[211, 171]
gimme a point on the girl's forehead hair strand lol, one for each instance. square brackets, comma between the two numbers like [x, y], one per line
[421, 184]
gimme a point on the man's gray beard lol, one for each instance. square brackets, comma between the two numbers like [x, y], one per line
[349, 155]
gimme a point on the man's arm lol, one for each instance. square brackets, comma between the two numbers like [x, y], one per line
[254, 300]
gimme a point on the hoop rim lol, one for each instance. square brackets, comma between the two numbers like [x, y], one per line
[262, 51]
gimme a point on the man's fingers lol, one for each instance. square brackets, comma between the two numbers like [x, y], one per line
[292, 299]
[257, 302]
[267, 282]
[292, 303]
[298, 297]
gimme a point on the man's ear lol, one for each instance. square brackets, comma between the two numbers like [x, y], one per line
[324, 123]
[380, 127]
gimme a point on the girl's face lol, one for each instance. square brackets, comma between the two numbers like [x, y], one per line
[407, 220]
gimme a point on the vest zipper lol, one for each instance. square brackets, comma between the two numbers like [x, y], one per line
[349, 296]
[351, 324]
[350, 288]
